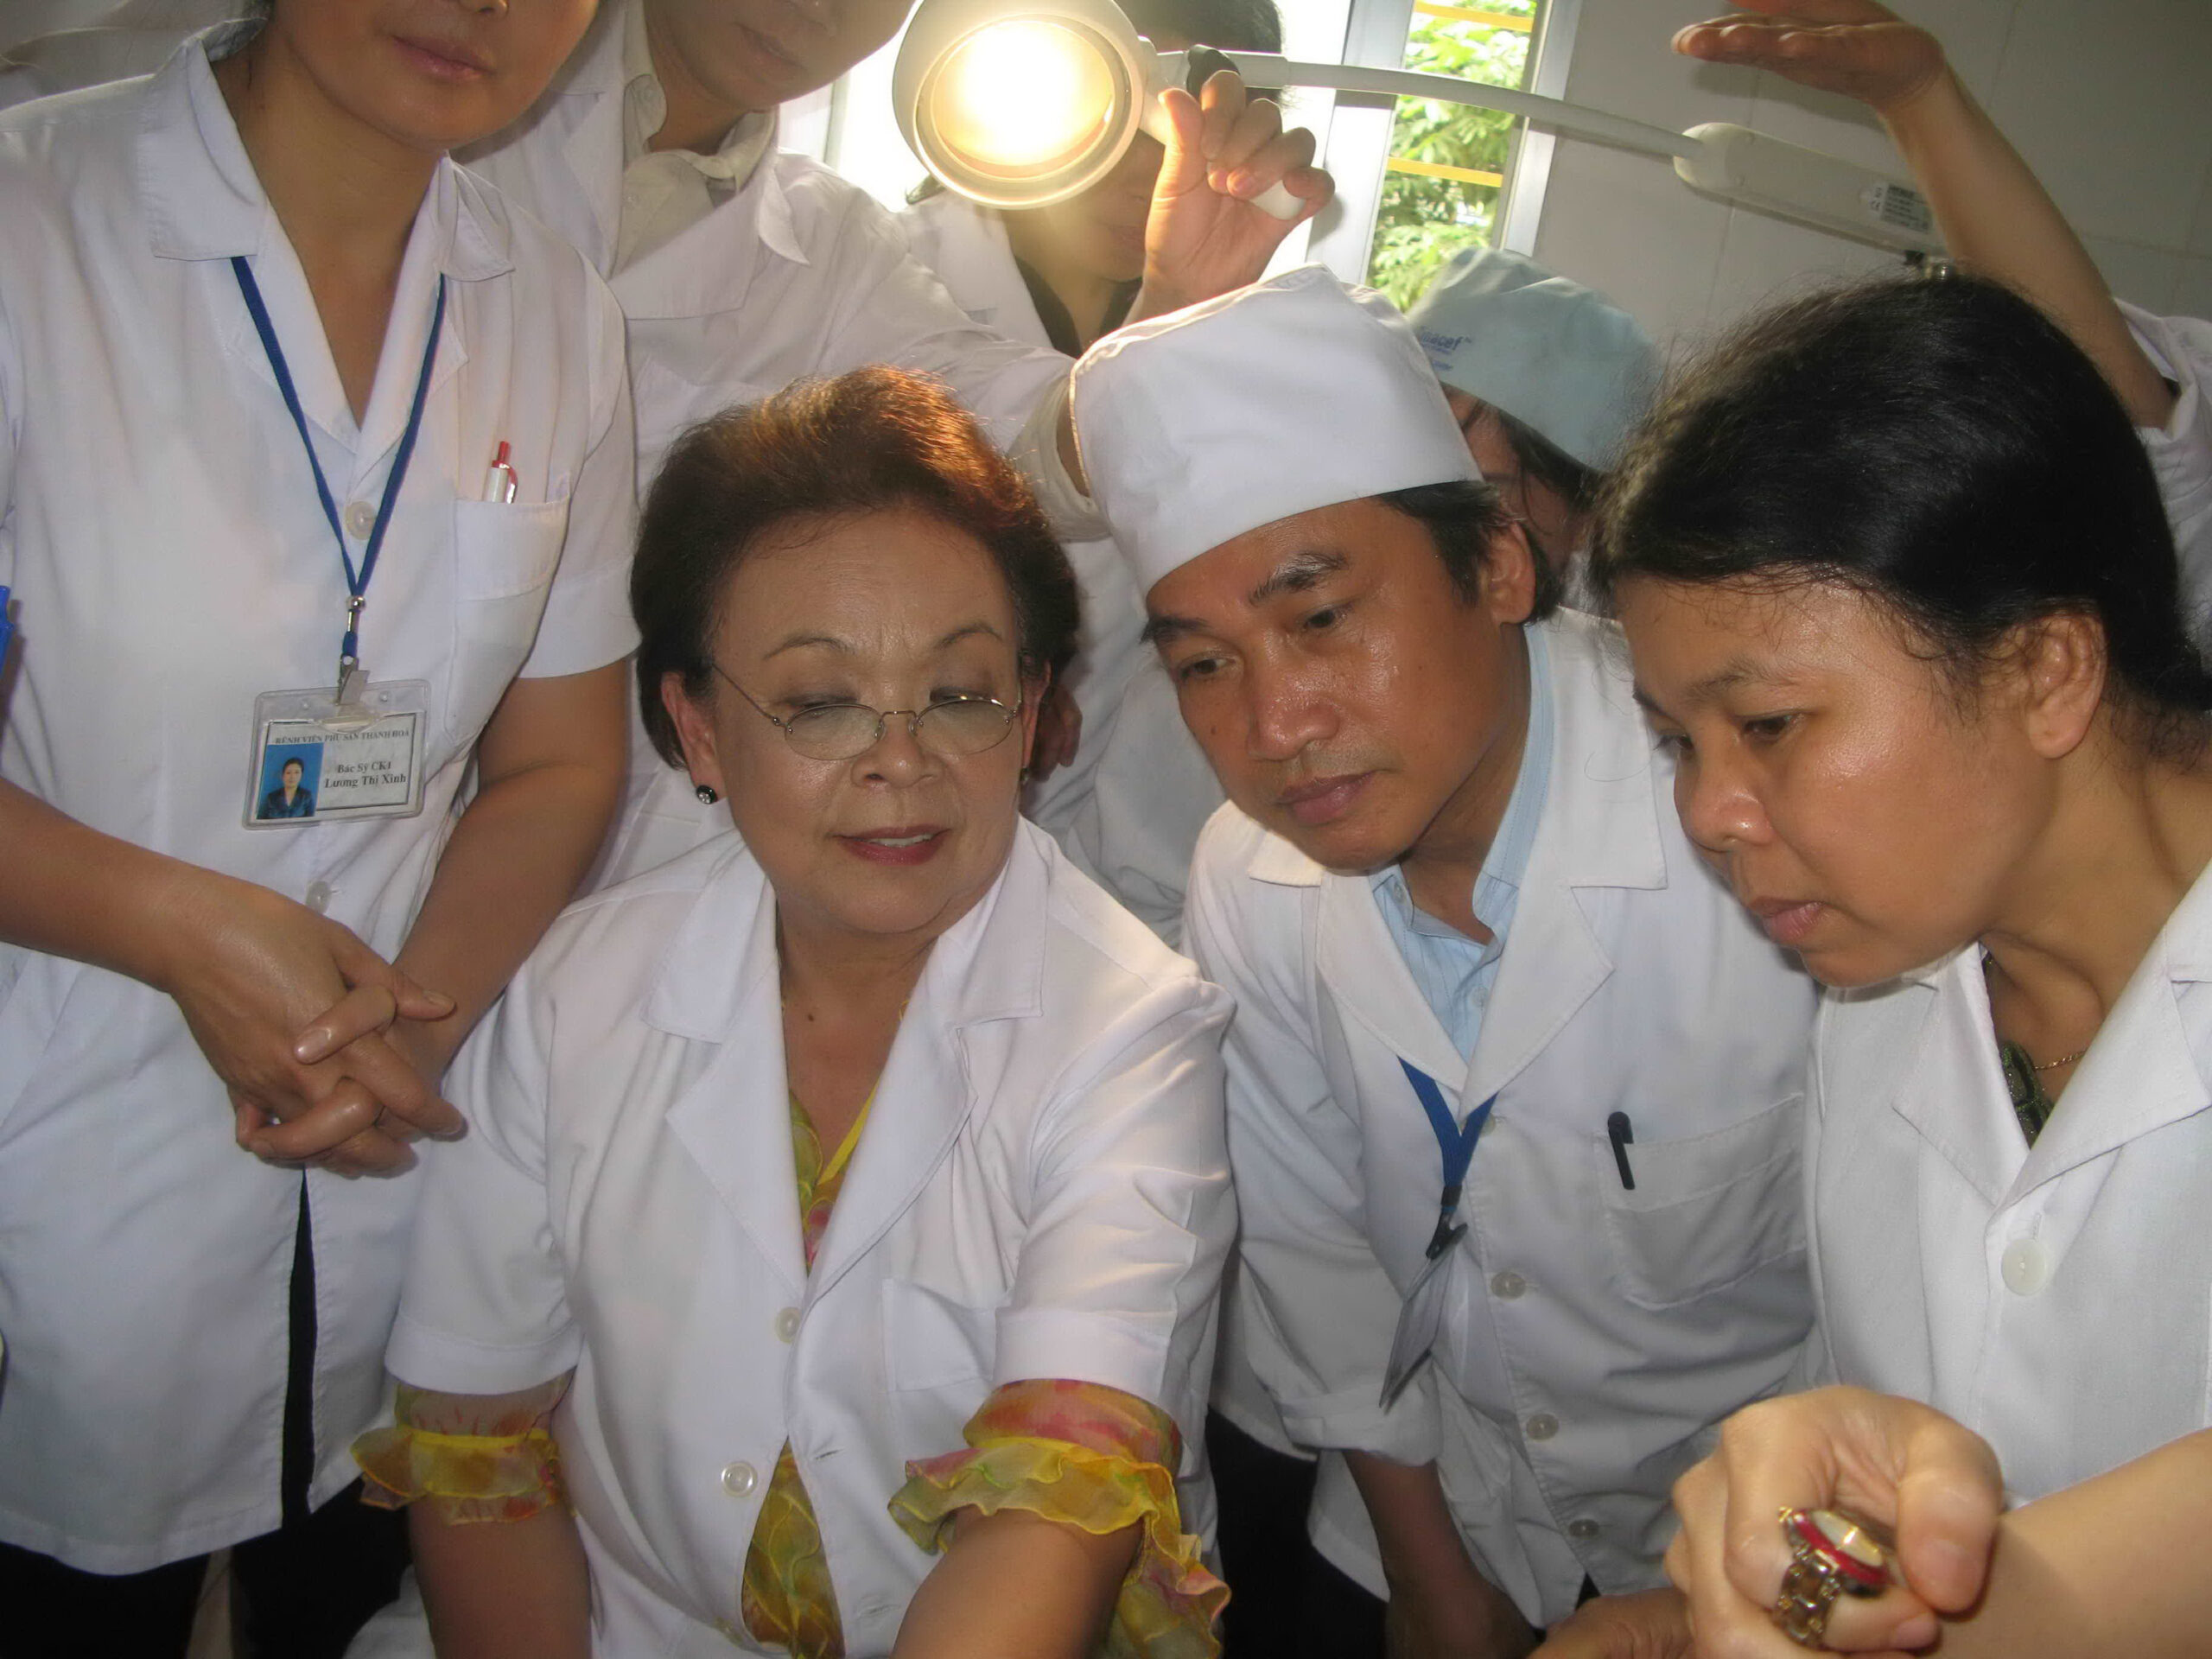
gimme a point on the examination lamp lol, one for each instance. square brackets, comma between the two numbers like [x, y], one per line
[1025, 102]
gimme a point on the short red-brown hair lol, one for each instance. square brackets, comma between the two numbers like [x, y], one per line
[874, 439]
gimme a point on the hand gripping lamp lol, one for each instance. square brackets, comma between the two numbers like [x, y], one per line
[1025, 102]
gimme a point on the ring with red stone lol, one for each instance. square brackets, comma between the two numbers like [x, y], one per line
[1830, 1555]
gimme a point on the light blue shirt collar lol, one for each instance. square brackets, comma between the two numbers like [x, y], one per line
[1455, 972]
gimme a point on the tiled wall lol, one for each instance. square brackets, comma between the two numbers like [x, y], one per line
[2110, 100]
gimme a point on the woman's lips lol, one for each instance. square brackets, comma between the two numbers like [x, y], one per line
[443, 60]
[901, 846]
[771, 49]
[1323, 800]
[1788, 921]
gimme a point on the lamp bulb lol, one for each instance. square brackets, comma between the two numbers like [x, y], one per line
[1023, 95]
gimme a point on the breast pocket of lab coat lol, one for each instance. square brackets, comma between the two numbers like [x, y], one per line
[504, 556]
[1708, 1210]
[938, 1357]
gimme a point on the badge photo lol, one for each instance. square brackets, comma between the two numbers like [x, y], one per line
[289, 774]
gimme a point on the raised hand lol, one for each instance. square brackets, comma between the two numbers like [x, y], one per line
[1206, 234]
[1853, 47]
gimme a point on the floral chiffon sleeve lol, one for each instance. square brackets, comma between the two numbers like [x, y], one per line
[1086, 1455]
[478, 1457]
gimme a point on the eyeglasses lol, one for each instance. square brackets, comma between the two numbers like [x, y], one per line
[951, 729]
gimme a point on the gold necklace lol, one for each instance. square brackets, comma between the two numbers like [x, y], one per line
[2063, 1059]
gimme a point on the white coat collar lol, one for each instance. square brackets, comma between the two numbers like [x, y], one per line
[709, 267]
[705, 269]
[203, 200]
[703, 984]
[717, 983]
[1600, 828]
[974, 257]
[2143, 1072]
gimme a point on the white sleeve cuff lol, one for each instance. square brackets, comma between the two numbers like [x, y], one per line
[424, 1358]
[1036, 452]
[1354, 1420]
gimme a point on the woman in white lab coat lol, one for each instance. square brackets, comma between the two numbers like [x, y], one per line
[798, 1160]
[257, 326]
[1129, 805]
[1996, 222]
[1899, 590]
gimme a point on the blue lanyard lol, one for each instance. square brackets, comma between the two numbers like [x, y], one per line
[357, 583]
[6, 628]
[1456, 1142]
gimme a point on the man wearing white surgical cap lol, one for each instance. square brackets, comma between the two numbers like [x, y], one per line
[1479, 971]
[1544, 376]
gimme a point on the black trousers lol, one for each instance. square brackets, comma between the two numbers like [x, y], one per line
[1285, 1601]
[299, 1592]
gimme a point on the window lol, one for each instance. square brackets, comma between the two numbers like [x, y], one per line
[1445, 178]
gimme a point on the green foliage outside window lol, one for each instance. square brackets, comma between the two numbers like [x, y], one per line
[1421, 221]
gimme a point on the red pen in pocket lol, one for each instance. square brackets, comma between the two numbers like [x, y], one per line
[500, 480]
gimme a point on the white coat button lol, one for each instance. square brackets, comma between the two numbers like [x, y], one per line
[1585, 1528]
[318, 896]
[361, 519]
[738, 1479]
[786, 1324]
[1507, 1284]
[1543, 1425]
[2026, 1266]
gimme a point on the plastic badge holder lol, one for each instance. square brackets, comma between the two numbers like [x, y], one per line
[361, 758]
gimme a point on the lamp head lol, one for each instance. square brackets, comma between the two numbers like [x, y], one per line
[1022, 103]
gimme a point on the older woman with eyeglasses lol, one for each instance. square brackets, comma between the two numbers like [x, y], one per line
[853, 1188]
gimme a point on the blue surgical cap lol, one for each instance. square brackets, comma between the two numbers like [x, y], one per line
[1556, 356]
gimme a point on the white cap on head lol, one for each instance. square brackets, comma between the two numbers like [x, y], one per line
[1562, 358]
[1293, 394]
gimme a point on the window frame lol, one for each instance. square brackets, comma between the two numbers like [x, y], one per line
[1355, 147]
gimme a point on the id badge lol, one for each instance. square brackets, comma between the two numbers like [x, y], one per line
[1419, 1320]
[316, 760]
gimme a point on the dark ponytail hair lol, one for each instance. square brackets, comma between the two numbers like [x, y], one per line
[1942, 446]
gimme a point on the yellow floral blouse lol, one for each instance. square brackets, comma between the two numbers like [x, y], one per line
[1079, 1454]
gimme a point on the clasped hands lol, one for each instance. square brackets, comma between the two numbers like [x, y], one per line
[330, 1054]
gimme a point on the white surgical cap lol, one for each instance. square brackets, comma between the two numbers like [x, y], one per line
[1554, 355]
[1293, 394]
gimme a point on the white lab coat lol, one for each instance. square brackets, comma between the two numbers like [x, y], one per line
[799, 273]
[2057, 1300]
[1129, 810]
[1593, 1335]
[2181, 451]
[1042, 1191]
[58, 45]
[161, 530]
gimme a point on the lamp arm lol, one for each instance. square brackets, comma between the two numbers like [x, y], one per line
[1579, 120]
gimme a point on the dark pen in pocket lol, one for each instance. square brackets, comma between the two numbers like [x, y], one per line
[1622, 1134]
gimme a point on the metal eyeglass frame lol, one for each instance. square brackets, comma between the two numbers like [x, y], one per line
[882, 720]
